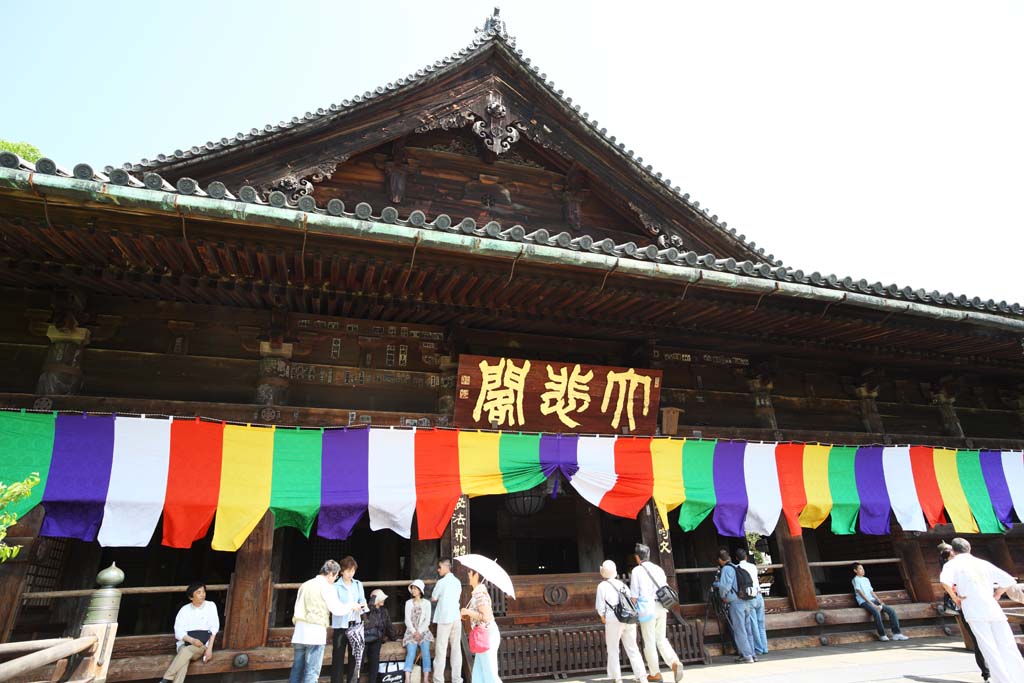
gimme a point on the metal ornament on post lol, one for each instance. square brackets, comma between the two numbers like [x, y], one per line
[101, 622]
[105, 602]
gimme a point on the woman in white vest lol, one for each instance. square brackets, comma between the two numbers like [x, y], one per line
[608, 596]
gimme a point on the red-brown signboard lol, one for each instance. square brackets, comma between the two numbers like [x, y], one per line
[545, 396]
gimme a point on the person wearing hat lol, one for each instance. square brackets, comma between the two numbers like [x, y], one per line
[377, 629]
[608, 596]
[417, 629]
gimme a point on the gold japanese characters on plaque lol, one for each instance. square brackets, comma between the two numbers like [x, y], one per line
[518, 394]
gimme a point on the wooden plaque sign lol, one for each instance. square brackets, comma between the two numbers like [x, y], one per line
[545, 396]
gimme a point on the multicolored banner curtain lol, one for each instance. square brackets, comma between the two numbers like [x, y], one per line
[113, 479]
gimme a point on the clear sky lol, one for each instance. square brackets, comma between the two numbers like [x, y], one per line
[876, 139]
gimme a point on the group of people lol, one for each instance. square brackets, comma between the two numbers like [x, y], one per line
[739, 589]
[645, 581]
[335, 597]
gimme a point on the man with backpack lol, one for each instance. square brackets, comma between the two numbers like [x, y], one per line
[740, 609]
[618, 613]
[755, 626]
[648, 585]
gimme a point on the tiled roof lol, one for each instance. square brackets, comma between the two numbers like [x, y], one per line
[494, 34]
[650, 255]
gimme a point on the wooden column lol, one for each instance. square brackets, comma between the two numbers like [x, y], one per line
[12, 573]
[656, 537]
[248, 605]
[798, 574]
[999, 551]
[589, 543]
[915, 572]
[456, 538]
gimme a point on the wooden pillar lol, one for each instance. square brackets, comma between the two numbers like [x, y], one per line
[248, 604]
[656, 537]
[13, 572]
[798, 574]
[589, 541]
[999, 551]
[916, 576]
[456, 538]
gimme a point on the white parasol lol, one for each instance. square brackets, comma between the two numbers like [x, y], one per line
[490, 570]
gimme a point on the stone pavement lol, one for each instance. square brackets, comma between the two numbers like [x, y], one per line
[921, 660]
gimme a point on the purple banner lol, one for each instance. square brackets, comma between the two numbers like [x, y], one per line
[730, 488]
[998, 488]
[83, 451]
[344, 486]
[875, 507]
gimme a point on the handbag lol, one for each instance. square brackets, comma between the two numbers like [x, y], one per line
[665, 595]
[479, 639]
[200, 635]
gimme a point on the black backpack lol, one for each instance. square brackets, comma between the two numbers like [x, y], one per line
[625, 610]
[744, 584]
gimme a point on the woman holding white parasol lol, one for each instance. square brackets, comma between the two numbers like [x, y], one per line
[481, 613]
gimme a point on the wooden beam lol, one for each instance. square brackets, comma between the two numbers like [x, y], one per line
[247, 611]
[799, 581]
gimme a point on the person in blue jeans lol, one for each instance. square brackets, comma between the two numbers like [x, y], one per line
[315, 603]
[755, 626]
[740, 611]
[866, 598]
[417, 630]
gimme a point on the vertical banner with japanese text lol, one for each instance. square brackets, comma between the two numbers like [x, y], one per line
[547, 396]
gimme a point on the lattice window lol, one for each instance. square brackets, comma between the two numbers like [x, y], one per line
[403, 355]
[389, 356]
[45, 574]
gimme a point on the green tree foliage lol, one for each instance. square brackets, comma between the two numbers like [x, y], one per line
[22, 149]
[12, 493]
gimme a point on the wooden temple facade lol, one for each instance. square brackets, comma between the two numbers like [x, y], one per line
[333, 269]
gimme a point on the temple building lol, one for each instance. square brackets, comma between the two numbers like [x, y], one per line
[455, 314]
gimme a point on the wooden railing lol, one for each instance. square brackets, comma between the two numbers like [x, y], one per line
[96, 641]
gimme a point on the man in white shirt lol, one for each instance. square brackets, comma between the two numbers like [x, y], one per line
[195, 627]
[644, 582]
[755, 622]
[445, 597]
[315, 603]
[976, 586]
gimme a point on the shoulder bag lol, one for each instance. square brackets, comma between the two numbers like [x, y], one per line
[665, 595]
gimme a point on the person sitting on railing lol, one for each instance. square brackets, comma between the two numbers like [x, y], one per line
[194, 628]
[417, 630]
[869, 600]
[377, 628]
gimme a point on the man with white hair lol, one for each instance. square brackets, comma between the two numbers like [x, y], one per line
[609, 592]
[644, 582]
[976, 586]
